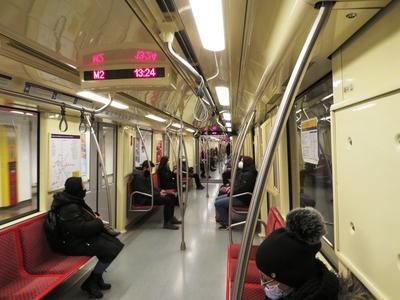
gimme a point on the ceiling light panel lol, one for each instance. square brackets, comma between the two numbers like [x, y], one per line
[227, 116]
[223, 95]
[209, 19]
[101, 99]
[155, 118]
[228, 124]
[176, 125]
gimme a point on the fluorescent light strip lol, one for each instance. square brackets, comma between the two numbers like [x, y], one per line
[101, 99]
[190, 130]
[155, 118]
[229, 129]
[176, 125]
[228, 124]
[227, 116]
[223, 95]
[209, 20]
[17, 112]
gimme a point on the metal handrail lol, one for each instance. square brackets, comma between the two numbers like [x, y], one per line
[244, 222]
[131, 204]
[103, 167]
[234, 163]
[233, 207]
[149, 165]
[281, 119]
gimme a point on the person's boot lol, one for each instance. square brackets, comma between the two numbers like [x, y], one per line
[169, 225]
[175, 221]
[200, 187]
[91, 287]
[103, 285]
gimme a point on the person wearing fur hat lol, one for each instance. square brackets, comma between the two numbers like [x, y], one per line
[83, 234]
[244, 182]
[287, 263]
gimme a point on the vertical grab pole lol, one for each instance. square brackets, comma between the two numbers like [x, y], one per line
[208, 165]
[184, 201]
[103, 167]
[147, 157]
[234, 164]
[281, 119]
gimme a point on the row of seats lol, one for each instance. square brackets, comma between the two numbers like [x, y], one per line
[252, 288]
[29, 269]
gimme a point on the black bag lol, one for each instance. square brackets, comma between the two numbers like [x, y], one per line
[52, 231]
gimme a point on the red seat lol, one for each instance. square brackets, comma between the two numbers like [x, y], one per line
[29, 269]
[252, 288]
[252, 275]
[233, 251]
[38, 256]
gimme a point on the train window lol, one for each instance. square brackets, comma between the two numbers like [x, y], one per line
[313, 140]
[19, 186]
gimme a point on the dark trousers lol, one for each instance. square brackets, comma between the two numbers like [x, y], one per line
[226, 175]
[169, 202]
[104, 246]
[196, 179]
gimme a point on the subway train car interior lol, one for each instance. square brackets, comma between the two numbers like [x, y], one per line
[199, 149]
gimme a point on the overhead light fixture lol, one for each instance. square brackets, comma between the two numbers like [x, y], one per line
[209, 20]
[190, 130]
[29, 114]
[227, 116]
[223, 95]
[155, 118]
[228, 124]
[229, 129]
[101, 99]
[17, 112]
[176, 125]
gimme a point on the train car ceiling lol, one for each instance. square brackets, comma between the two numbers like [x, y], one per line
[48, 42]
[263, 38]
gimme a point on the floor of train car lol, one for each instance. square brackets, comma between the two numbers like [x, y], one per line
[152, 267]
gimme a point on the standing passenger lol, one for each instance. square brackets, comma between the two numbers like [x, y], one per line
[83, 234]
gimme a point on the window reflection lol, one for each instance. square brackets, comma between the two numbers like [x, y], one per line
[314, 150]
[18, 163]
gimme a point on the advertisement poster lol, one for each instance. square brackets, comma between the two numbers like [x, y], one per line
[159, 150]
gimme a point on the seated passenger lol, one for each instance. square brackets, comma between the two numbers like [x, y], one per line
[244, 182]
[166, 177]
[286, 259]
[141, 183]
[84, 234]
[196, 177]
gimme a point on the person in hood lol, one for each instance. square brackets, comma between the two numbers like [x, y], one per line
[245, 180]
[286, 259]
[84, 235]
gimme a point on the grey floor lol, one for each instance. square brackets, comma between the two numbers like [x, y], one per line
[152, 267]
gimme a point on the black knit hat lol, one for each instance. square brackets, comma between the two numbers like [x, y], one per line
[147, 163]
[288, 254]
[73, 186]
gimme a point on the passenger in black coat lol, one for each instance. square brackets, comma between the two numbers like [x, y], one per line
[244, 182]
[83, 233]
[141, 183]
[166, 177]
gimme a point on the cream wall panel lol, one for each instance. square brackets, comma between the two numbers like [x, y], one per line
[367, 171]
[248, 145]
[370, 62]
[189, 142]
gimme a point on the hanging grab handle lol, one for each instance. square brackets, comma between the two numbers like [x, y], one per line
[82, 124]
[63, 125]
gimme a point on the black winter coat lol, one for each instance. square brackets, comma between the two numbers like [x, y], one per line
[325, 286]
[81, 230]
[142, 184]
[167, 178]
[244, 182]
